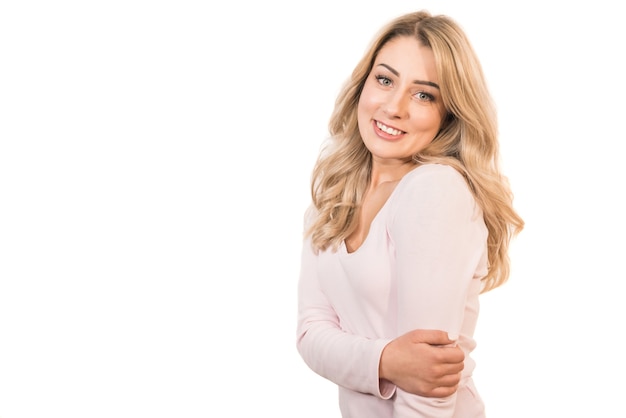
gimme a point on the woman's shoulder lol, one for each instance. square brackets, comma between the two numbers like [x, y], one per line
[433, 186]
[433, 183]
[310, 214]
[434, 174]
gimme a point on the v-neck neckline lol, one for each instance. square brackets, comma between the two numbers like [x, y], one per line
[344, 246]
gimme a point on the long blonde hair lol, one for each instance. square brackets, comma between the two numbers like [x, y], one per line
[467, 141]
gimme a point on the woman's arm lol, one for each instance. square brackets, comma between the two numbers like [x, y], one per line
[348, 360]
[439, 238]
[423, 362]
[416, 362]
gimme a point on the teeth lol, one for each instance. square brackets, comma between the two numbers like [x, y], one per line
[387, 129]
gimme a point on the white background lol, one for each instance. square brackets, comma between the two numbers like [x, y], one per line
[154, 167]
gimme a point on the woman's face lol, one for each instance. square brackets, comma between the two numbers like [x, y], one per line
[400, 109]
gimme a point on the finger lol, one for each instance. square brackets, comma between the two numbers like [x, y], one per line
[448, 381]
[443, 391]
[431, 336]
[449, 355]
[449, 371]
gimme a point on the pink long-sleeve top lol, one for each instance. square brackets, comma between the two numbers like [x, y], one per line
[419, 268]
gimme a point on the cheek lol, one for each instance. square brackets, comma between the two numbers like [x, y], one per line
[429, 120]
[361, 110]
[367, 103]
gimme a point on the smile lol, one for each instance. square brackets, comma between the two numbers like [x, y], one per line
[388, 129]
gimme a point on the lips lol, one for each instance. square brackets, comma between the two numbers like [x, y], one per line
[386, 131]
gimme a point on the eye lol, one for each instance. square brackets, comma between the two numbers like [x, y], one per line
[424, 97]
[383, 81]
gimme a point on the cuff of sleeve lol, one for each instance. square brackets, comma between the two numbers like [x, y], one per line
[385, 388]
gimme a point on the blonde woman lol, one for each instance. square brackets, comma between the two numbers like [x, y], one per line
[410, 222]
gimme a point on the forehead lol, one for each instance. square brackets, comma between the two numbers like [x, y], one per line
[409, 57]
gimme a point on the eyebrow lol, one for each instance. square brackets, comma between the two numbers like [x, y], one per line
[397, 74]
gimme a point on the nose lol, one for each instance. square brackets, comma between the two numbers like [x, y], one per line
[396, 105]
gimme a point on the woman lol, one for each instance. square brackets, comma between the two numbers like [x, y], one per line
[410, 221]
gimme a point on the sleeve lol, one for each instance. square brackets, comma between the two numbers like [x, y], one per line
[348, 360]
[439, 237]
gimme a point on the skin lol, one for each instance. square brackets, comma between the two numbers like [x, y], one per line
[400, 111]
[401, 92]
[423, 362]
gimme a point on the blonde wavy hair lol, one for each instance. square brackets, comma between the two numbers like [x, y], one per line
[467, 141]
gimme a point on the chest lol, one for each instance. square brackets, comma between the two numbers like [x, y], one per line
[361, 281]
[372, 204]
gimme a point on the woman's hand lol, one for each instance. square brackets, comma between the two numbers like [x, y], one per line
[423, 362]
